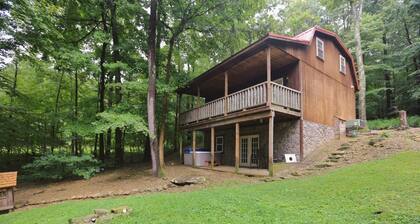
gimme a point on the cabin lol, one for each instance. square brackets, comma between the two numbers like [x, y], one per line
[7, 185]
[279, 96]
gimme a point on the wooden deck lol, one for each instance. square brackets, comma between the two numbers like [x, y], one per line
[276, 97]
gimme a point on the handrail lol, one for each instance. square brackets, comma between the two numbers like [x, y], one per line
[246, 98]
[285, 87]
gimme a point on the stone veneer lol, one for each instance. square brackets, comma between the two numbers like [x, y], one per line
[315, 134]
[286, 139]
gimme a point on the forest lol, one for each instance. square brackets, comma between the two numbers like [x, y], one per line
[91, 77]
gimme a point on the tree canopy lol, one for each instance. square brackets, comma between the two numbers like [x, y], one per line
[74, 74]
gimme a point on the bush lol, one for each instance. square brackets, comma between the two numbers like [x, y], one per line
[381, 124]
[61, 166]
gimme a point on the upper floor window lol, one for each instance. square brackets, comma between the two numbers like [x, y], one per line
[219, 144]
[342, 64]
[319, 48]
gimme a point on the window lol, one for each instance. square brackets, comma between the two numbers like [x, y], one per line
[342, 64]
[219, 144]
[319, 48]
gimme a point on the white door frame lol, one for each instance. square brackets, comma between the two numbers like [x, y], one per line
[245, 155]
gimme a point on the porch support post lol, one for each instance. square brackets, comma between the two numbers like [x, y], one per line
[193, 148]
[212, 147]
[269, 94]
[197, 99]
[270, 143]
[226, 93]
[237, 147]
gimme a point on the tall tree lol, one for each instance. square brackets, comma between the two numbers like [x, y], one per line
[151, 92]
[357, 10]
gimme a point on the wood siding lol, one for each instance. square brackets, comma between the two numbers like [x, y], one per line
[327, 93]
[6, 199]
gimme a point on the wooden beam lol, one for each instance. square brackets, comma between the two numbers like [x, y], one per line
[270, 144]
[269, 93]
[212, 147]
[237, 147]
[230, 119]
[284, 110]
[226, 93]
[193, 148]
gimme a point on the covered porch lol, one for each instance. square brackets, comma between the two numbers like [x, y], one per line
[239, 101]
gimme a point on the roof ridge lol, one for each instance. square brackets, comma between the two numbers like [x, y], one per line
[306, 31]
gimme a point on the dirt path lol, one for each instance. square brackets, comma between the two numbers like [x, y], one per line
[138, 180]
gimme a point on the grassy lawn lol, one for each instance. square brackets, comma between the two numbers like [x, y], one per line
[348, 195]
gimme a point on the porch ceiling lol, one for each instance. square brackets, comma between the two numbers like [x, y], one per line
[247, 72]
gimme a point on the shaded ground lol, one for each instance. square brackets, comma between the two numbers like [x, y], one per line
[137, 179]
[380, 191]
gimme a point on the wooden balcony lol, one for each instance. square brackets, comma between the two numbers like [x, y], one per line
[282, 98]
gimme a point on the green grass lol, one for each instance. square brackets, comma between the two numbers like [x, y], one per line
[347, 195]
[380, 124]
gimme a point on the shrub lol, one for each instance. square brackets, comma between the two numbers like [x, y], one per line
[391, 123]
[61, 166]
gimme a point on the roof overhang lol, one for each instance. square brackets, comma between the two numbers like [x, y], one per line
[244, 61]
[303, 39]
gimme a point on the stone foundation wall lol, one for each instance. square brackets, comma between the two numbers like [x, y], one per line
[315, 134]
[286, 139]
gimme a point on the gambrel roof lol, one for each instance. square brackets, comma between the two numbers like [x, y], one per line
[303, 39]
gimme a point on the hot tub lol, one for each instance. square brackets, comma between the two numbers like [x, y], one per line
[202, 157]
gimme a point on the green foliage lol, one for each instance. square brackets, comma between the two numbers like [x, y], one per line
[392, 123]
[353, 194]
[112, 120]
[61, 166]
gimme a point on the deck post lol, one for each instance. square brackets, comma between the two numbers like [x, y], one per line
[269, 93]
[226, 93]
[193, 148]
[237, 147]
[270, 143]
[212, 147]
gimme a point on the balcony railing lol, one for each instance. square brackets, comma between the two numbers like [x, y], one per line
[251, 97]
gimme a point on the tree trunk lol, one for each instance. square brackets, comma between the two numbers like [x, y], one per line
[389, 98]
[55, 124]
[407, 35]
[102, 84]
[146, 154]
[357, 9]
[116, 57]
[13, 94]
[151, 91]
[76, 149]
[162, 127]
